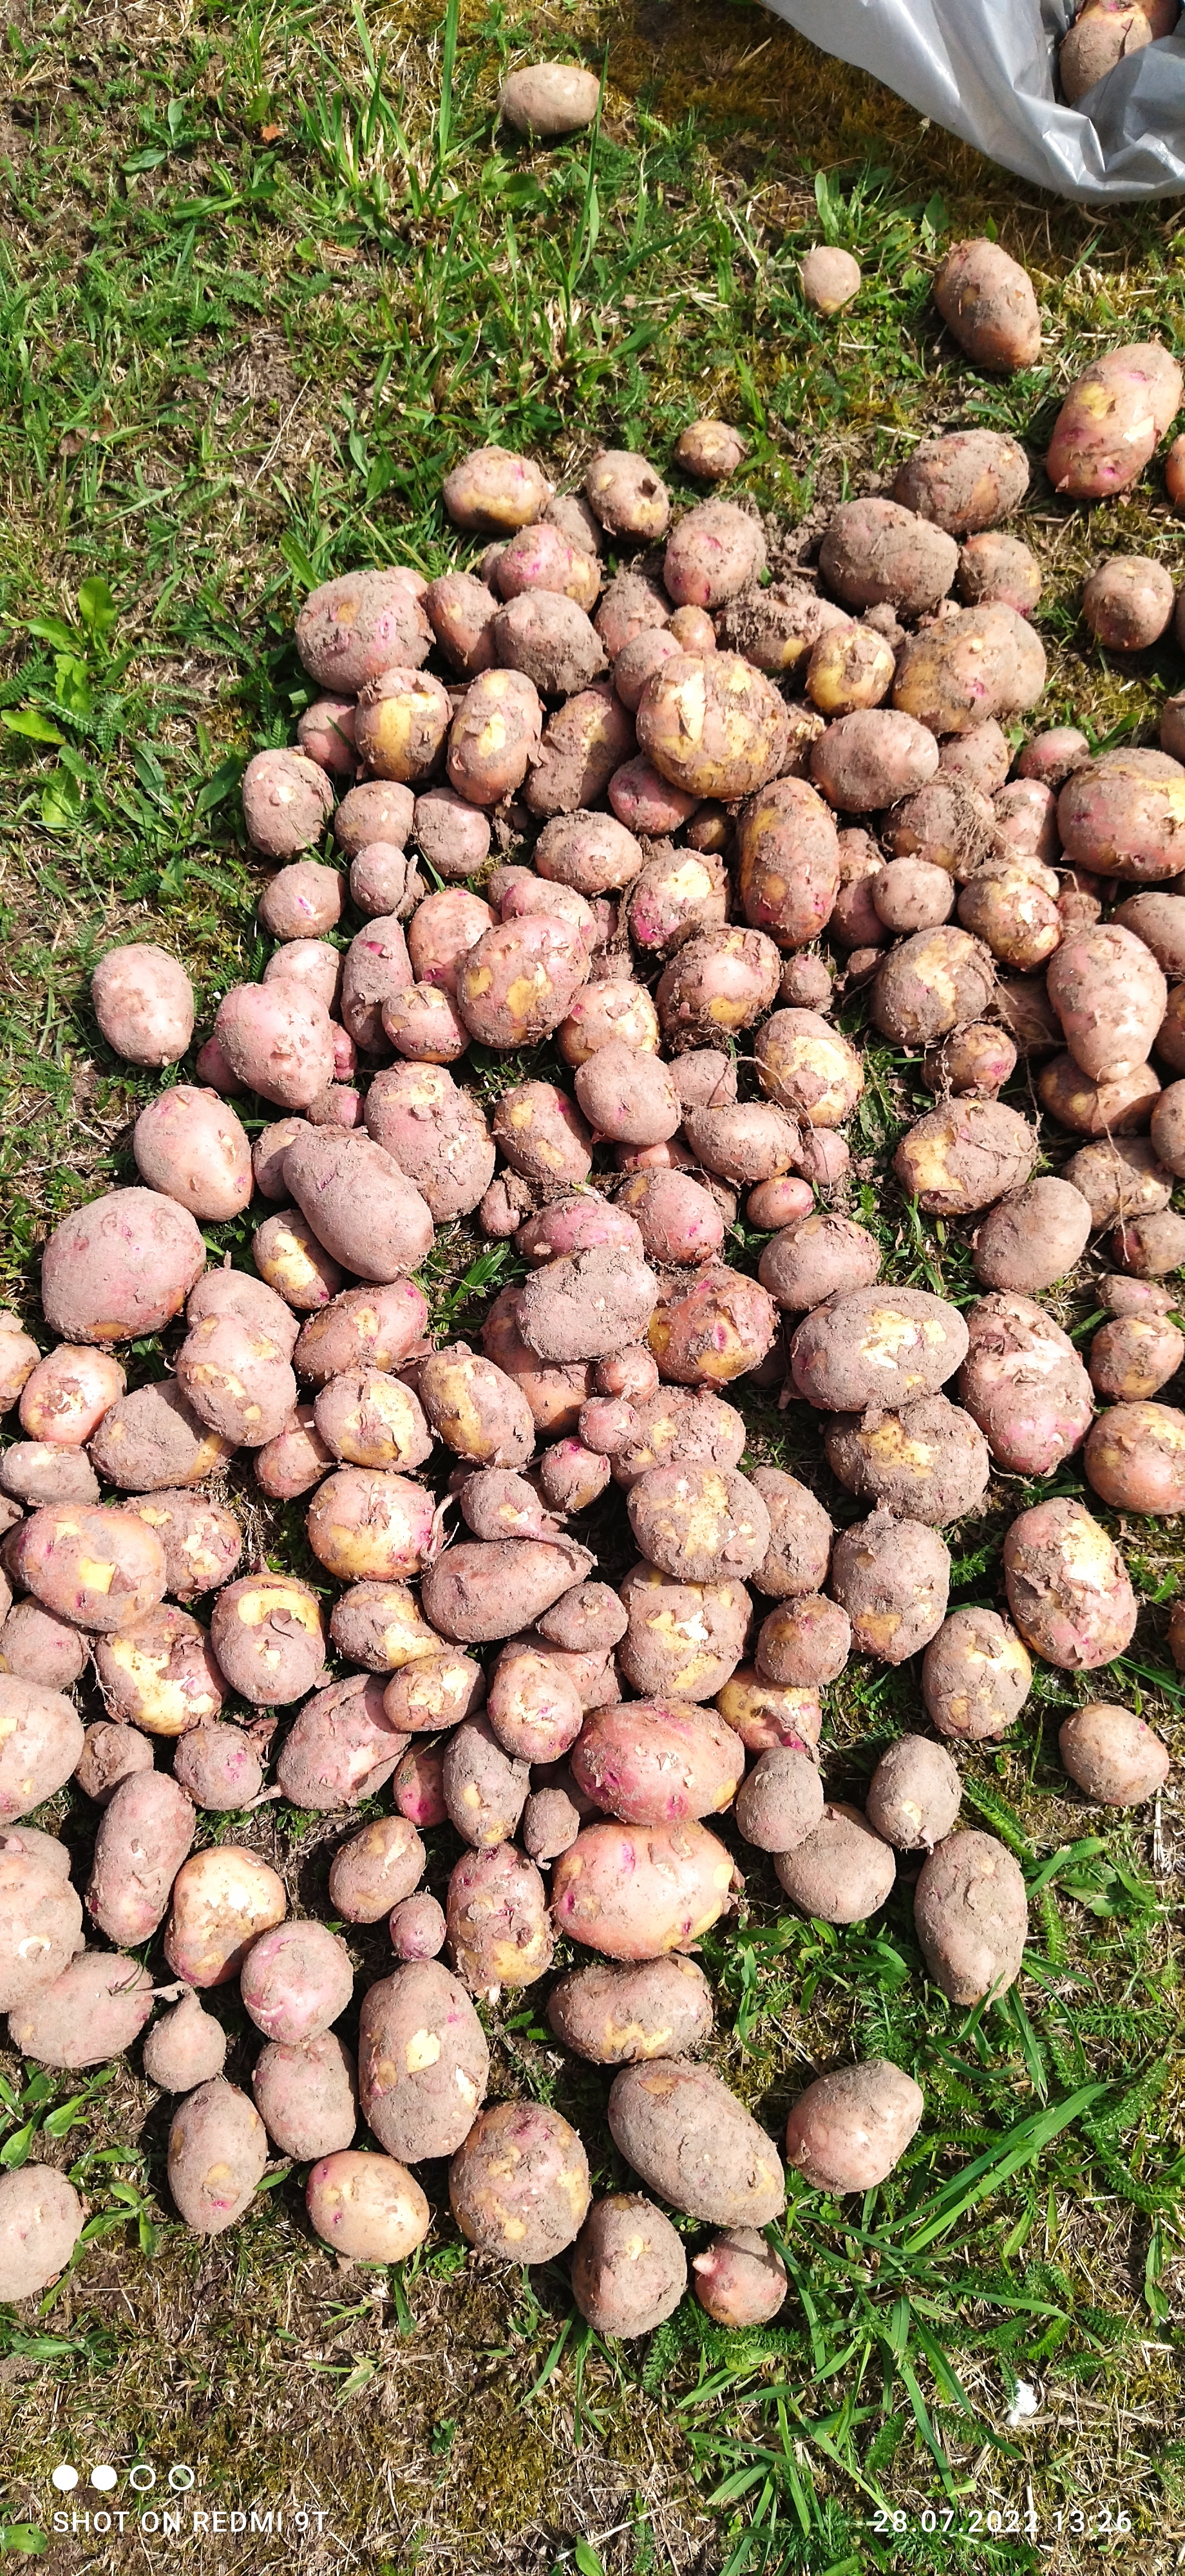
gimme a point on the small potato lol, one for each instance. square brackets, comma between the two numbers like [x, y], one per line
[268, 1634]
[750, 1141]
[498, 1929]
[362, 1207]
[965, 1156]
[1112, 1755]
[218, 1767]
[971, 1917]
[842, 1873]
[422, 1024]
[874, 552]
[417, 1927]
[818, 1257]
[738, 2278]
[964, 481]
[633, 1892]
[186, 2049]
[1135, 1457]
[19, 1356]
[40, 1917]
[657, 1762]
[805, 1642]
[217, 2154]
[629, 2270]
[799, 1551]
[1033, 1237]
[1135, 1297]
[1067, 1587]
[485, 1789]
[715, 727]
[453, 835]
[614, 2016]
[549, 99]
[36, 1647]
[376, 1869]
[929, 1462]
[307, 2097]
[417, 1786]
[717, 1329]
[222, 1900]
[808, 1068]
[978, 1059]
[626, 495]
[1024, 1384]
[829, 278]
[632, 603]
[583, 1305]
[1130, 1359]
[987, 301]
[369, 2208]
[710, 450]
[143, 998]
[603, 1011]
[378, 810]
[41, 2220]
[295, 1981]
[287, 1254]
[160, 1673]
[914, 1794]
[120, 1268]
[442, 928]
[720, 981]
[975, 1676]
[781, 1800]
[849, 2129]
[911, 895]
[278, 1039]
[1110, 996]
[94, 2010]
[677, 1219]
[494, 492]
[690, 2139]
[646, 803]
[377, 966]
[1127, 603]
[995, 567]
[305, 900]
[1150, 1246]
[716, 552]
[144, 1835]
[534, 1709]
[400, 724]
[295, 1460]
[341, 1748]
[384, 880]
[519, 2186]
[202, 1540]
[423, 2063]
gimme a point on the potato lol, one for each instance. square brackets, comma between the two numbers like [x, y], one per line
[994, 567]
[1135, 1457]
[964, 481]
[379, 809]
[494, 492]
[874, 552]
[604, 1011]
[698, 1522]
[94, 2010]
[1120, 815]
[519, 2185]
[588, 1619]
[1033, 1237]
[110, 1754]
[879, 1346]
[677, 1427]
[914, 1794]
[543, 634]
[1129, 1359]
[370, 1419]
[217, 2154]
[799, 1551]
[307, 2097]
[850, 2128]
[376, 1869]
[929, 1462]
[1015, 917]
[716, 552]
[145, 1833]
[423, 2064]
[1067, 1587]
[422, 1024]
[400, 723]
[218, 1767]
[143, 999]
[946, 822]
[364, 622]
[475, 1409]
[534, 1708]
[677, 1219]
[237, 1379]
[441, 929]
[549, 99]
[362, 1207]
[19, 1356]
[1024, 1384]
[295, 1460]
[971, 1917]
[975, 1676]
[626, 495]
[714, 727]
[657, 1762]
[417, 1927]
[1159, 921]
[613, 2016]
[584, 743]
[120, 1268]
[40, 1917]
[627, 1097]
[268, 1634]
[461, 613]
[633, 1892]
[850, 667]
[295, 1982]
[66, 1395]
[690, 2139]
[738, 2278]
[186, 2049]
[748, 1141]
[719, 980]
[435, 1135]
[304, 900]
[713, 1331]
[287, 1254]
[278, 1040]
[379, 1625]
[315, 966]
[965, 1156]
[160, 1673]
[1112, 419]
[1110, 996]
[781, 1801]
[237, 1293]
[364, 1328]
[485, 1789]
[871, 758]
[98, 1567]
[978, 1059]
[38, 1471]
[818, 1257]
[498, 1929]
[377, 967]
[554, 1394]
[202, 1540]
[892, 1577]
[1127, 603]
[585, 1304]
[911, 895]
[369, 2208]
[981, 662]
[494, 736]
[1091, 1108]
[341, 1747]
[683, 1639]
[1135, 1297]
[41, 2220]
[842, 1873]
[644, 653]
[222, 1900]
[519, 980]
[629, 2270]
[1150, 1245]
[1112, 1755]
[987, 301]
[153, 1438]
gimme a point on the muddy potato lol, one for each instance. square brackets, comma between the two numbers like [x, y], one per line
[41, 2220]
[683, 1639]
[423, 2064]
[96, 1566]
[534, 1709]
[633, 1892]
[370, 1419]
[38, 1471]
[875, 553]
[237, 1378]
[805, 1642]
[819, 1257]
[808, 1068]
[1119, 815]
[869, 759]
[376, 1869]
[995, 567]
[295, 1982]
[981, 662]
[626, 495]
[914, 1794]
[341, 1747]
[1024, 1384]
[1122, 1296]
[879, 1346]
[717, 1329]
[586, 1304]
[987, 301]
[554, 1393]
[498, 1929]
[475, 1408]
[979, 1059]
[1067, 1587]
[677, 1219]
[975, 1676]
[799, 1551]
[929, 1462]
[94, 2010]
[217, 2154]
[307, 2096]
[1130, 1359]
[1110, 996]
[519, 2186]
[218, 1767]
[912, 895]
[36, 1647]
[780, 1802]
[378, 810]
[614, 2016]
[1150, 1246]
[842, 1873]
[423, 1025]
[749, 1141]
[360, 624]
[699, 1522]
[363, 1328]
[850, 2128]
[964, 481]
[674, 1426]
[629, 2270]
[202, 1540]
[628, 1098]
[656, 1762]
[160, 1673]
[19, 1356]
[971, 1917]
[144, 1835]
[379, 1625]
[268, 1634]
[417, 1928]
[1112, 1755]
[485, 1789]
[362, 1207]
[716, 552]
[603, 1011]
[66, 1395]
[185, 2049]
[1159, 921]
[295, 1460]
[435, 1134]
[1032, 1237]
[714, 727]
[892, 1577]
[1016, 917]
[110, 1754]
[718, 982]
[589, 1618]
[153, 1438]
[690, 2139]
[1091, 1108]
[120, 1268]
[965, 1156]
[40, 1919]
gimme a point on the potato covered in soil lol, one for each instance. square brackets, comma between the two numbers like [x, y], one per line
[120, 1268]
[583, 745]
[869, 759]
[614, 2016]
[931, 984]
[892, 1577]
[494, 492]
[423, 2063]
[875, 553]
[717, 551]
[975, 1676]
[368, 2208]
[93, 2011]
[928, 1462]
[877, 1347]
[849, 2129]
[981, 662]
[1151, 1246]
[18, 1358]
[1114, 414]
[534, 1708]
[914, 1794]
[494, 736]
[699, 1522]
[690, 2139]
[435, 1134]
[1016, 917]
[965, 1156]
[519, 979]
[361, 623]
[1135, 1457]
[911, 895]
[633, 1891]
[66, 1395]
[738, 2278]
[475, 1408]
[964, 481]
[400, 724]
[307, 2096]
[218, 1767]
[980, 1059]
[971, 1917]
[1067, 1586]
[843, 1871]
[1128, 602]
[586, 1304]
[628, 1098]
[750, 1140]
[110, 1754]
[40, 1919]
[341, 1747]
[498, 1929]
[417, 1927]
[41, 2220]
[373, 1327]
[987, 301]
[1090, 1108]
[683, 1639]
[1120, 815]
[267, 1631]
[202, 1540]
[519, 2185]
[1130, 1359]
[1110, 996]
[1024, 1384]
[278, 1040]
[296, 1980]
[97, 1566]
[217, 2154]
[143, 999]
[1112, 1756]
[547, 635]
[718, 982]
[237, 1378]
[362, 1207]
[376, 1869]
[819, 1257]
[655, 1762]
[295, 1460]
[485, 1788]
[715, 1330]
[676, 1426]
[995, 567]
[714, 727]
[222, 1900]
[629, 2270]
[1033, 1237]
[370, 1525]
[781, 1801]
[185, 2049]
[626, 495]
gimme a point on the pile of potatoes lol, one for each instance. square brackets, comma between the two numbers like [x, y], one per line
[607, 788]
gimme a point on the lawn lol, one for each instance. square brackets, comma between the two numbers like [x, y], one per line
[268, 270]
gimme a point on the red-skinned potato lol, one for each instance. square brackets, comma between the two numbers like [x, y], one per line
[368, 2208]
[929, 1462]
[805, 1642]
[237, 1377]
[879, 1346]
[614, 2016]
[981, 662]
[975, 1676]
[361, 623]
[120, 1268]
[154, 1438]
[40, 1919]
[185, 2049]
[657, 1762]
[714, 727]
[996, 567]
[673, 1427]
[307, 2097]
[780, 1801]
[461, 613]
[1128, 602]
[217, 2154]
[810, 1069]
[41, 2220]
[143, 1001]
[677, 1218]
[1112, 1755]
[799, 1551]
[914, 1794]
[66, 1395]
[987, 301]
[554, 1392]
[632, 1892]
[1091, 1108]
[717, 551]
[738, 2278]
[36, 1471]
[627, 1097]
[278, 1040]
[377, 966]
[295, 1460]
[876, 553]
[971, 1917]
[305, 900]
[519, 980]
[717, 983]
[1134, 1457]
[1024, 1384]
[497, 1924]
[713, 1331]
[97, 1566]
[1033, 1237]
[190, 1146]
[534, 1709]
[36, 1647]
[690, 2139]
[94, 2010]
[202, 1540]
[751, 1140]
[315, 966]
[979, 1059]
[1130, 1359]
[423, 2063]
[287, 1254]
[160, 1673]
[417, 1786]
[268, 1634]
[818, 1257]
[417, 1927]
[849, 2128]
[519, 2186]
[965, 1156]
[1068, 1590]
[1150, 1245]
[222, 1900]
[485, 1788]
[341, 1747]
[842, 1872]
[933, 983]
[376, 1869]
[629, 2270]
[362, 1207]
[372, 1327]
[1123, 815]
[583, 745]
[1110, 996]
[1111, 420]
[379, 1625]
[494, 492]
[626, 495]
[295, 1981]
[369, 1418]
[435, 1134]
[218, 1767]
[604, 1010]
[378, 809]
[964, 481]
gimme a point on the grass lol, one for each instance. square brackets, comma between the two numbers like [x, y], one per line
[268, 270]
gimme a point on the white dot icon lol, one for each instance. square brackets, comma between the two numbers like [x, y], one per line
[104, 2479]
[64, 2477]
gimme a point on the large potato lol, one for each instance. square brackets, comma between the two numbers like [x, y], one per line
[876, 554]
[975, 1676]
[632, 1891]
[307, 2096]
[987, 301]
[497, 1926]
[965, 1156]
[361, 1206]
[983, 662]
[1110, 996]
[655, 1762]
[278, 1040]
[40, 1919]
[1033, 1237]
[267, 1631]
[423, 2063]
[65, 1398]
[143, 1001]
[929, 1462]
[842, 1872]
[849, 2129]
[1067, 1586]
[153, 1438]
[1135, 1457]
[145, 1833]
[237, 1378]
[971, 1917]
[1111, 420]
[475, 1592]
[222, 1900]
[376, 1869]
[614, 2016]
[519, 2186]
[880, 1346]
[475, 1408]
[714, 727]
[367, 1524]
[94, 2010]
[584, 1305]
[190, 1146]
[935, 982]
[361, 623]
[98, 1567]
[684, 1639]
[41, 2220]
[41, 1738]
[1091, 1108]
[676, 1426]
[1024, 1384]
[699, 1522]
[964, 481]
[121, 1267]
[369, 2208]
[341, 1746]
[690, 2139]
[1123, 815]
[435, 1133]
[217, 2154]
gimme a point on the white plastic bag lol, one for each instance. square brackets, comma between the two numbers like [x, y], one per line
[985, 69]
